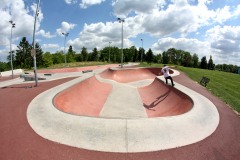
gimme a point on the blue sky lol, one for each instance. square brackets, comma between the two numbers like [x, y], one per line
[205, 27]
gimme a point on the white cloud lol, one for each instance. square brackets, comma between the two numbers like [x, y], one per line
[100, 34]
[122, 8]
[65, 27]
[201, 48]
[45, 34]
[71, 1]
[50, 47]
[84, 3]
[87, 3]
[23, 18]
[225, 41]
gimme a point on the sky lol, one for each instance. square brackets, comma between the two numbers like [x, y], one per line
[205, 27]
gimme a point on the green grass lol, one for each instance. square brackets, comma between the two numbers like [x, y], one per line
[224, 85]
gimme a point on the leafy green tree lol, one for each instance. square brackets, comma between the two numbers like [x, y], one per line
[171, 53]
[195, 60]
[210, 64]
[134, 53]
[84, 54]
[39, 55]
[24, 58]
[149, 56]
[71, 55]
[104, 54]
[117, 54]
[203, 63]
[47, 59]
[58, 57]
[4, 66]
[158, 58]
[141, 54]
[23, 55]
[94, 56]
[186, 59]
[128, 55]
[165, 58]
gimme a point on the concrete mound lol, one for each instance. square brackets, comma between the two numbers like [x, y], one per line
[127, 75]
[162, 100]
[85, 98]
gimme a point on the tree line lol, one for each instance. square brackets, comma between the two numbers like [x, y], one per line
[22, 57]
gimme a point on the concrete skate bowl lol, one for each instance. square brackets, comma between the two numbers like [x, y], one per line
[161, 100]
[87, 98]
[127, 75]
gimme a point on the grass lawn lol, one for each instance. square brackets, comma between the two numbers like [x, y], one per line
[224, 85]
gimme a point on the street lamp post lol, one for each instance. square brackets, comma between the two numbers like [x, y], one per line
[142, 50]
[65, 34]
[13, 26]
[109, 53]
[34, 46]
[121, 21]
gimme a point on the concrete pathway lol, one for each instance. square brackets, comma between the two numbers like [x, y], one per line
[123, 102]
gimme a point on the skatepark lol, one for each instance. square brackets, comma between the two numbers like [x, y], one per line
[115, 113]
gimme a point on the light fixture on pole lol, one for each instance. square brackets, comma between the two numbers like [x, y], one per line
[121, 21]
[11, 52]
[109, 53]
[65, 34]
[142, 50]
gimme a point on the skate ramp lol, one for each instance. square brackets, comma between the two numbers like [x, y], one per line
[127, 75]
[128, 135]
[85, 98]
[162, 100]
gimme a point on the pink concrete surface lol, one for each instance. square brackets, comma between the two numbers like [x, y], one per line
[79, 69]
[85, 98]
[88, 97]
[126, 75]
[162, 100]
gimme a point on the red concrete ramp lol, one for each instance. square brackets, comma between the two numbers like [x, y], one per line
[127, 75]
[162, 100]
[85, 98]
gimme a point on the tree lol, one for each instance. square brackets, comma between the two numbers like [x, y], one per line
[94, 56]
[39, 55]
[171, 54]
[158, 58]
[84, 54]
[23, 55]
[141, 54]
[210, 64]
[71, 55]
[24, 58]
[135, 53]
[186, 59]
[58, 57]
[149, 56]
[195, 60]
[47, 59]
[165, 58]
[203, 63]
[4, 66]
